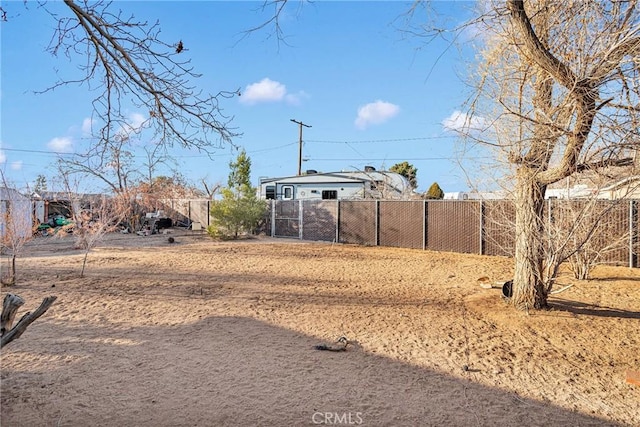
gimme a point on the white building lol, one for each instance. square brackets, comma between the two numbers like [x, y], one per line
[627, 188]
[355, 185]
[16, 213]
[475, 195]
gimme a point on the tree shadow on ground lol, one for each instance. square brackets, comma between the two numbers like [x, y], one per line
[581, 308]
[237, 371]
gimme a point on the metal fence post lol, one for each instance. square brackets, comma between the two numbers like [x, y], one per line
[377, 224]
[425, 220]
[273, 218]
[633, 232]
[481, 234]
[337, 238]
[300, 218]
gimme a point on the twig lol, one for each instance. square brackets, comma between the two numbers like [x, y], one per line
[561, 289]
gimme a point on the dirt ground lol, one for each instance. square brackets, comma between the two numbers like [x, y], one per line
[206, 333]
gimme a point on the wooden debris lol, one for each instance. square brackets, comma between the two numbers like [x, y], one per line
[10, 307]
[9, 304]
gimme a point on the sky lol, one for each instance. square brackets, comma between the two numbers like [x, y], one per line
[372, 94]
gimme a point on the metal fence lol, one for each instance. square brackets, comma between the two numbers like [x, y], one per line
[185, 211]
[479, 227]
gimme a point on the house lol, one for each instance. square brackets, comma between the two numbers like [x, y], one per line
[16, 214]
[354, 185]
[626, 188]
[474, 195]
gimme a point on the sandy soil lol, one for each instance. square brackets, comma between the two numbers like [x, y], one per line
[205, 333]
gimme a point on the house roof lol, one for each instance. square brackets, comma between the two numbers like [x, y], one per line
[331, 177]
[63, 196]
[631, 181]
[7, 193]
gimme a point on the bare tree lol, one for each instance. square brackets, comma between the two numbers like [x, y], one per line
[129, 67]
[92, 224]
[128, 61]
[592, 230]
[94, 216]
[565, 78]
[16, 226]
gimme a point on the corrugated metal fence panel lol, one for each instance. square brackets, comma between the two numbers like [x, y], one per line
[177, 210]
[358, 222]
[401, 224]
[200, 212]
[499, 228]
[453, 226]
[287, 219]
[319, 220]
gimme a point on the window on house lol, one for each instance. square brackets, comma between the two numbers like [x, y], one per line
[287, 192]
[329, 194]
[270, 192]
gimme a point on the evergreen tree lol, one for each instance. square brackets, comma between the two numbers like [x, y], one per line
[407, 170]
[240, 209]
[40, 185]
[434, 192]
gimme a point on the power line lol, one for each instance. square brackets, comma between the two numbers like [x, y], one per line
[378, 140]
[58, 153]
[394, 159]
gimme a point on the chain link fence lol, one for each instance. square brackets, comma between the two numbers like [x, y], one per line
[465, 226]
[477, 227]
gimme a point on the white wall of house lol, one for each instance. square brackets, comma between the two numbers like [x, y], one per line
[628, 188]
[337, 185]
[16, 213]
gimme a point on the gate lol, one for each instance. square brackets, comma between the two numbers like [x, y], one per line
[286, 219]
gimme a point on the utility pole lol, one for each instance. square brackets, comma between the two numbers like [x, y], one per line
[300, 145]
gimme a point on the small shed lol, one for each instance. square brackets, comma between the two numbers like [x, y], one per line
[16, 213]
[354, 185]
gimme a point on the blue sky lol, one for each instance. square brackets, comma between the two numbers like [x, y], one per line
[372, 94]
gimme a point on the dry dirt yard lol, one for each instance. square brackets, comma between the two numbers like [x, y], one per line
[206, 333]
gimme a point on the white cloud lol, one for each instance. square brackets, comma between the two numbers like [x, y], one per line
[3, 157]
[266, 90]
[61, 144]
[296, 98]
[462, 122]
[16, 166]
[136, 120]
[86, 126]
[375, 113]
[135, 124]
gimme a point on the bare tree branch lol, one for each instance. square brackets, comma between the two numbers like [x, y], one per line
[26, 320]
[127, 62]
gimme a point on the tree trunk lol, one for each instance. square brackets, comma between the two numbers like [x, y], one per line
[10, 279]
[15, 332]
[10, 306]
[84, 262]
[528, 287]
